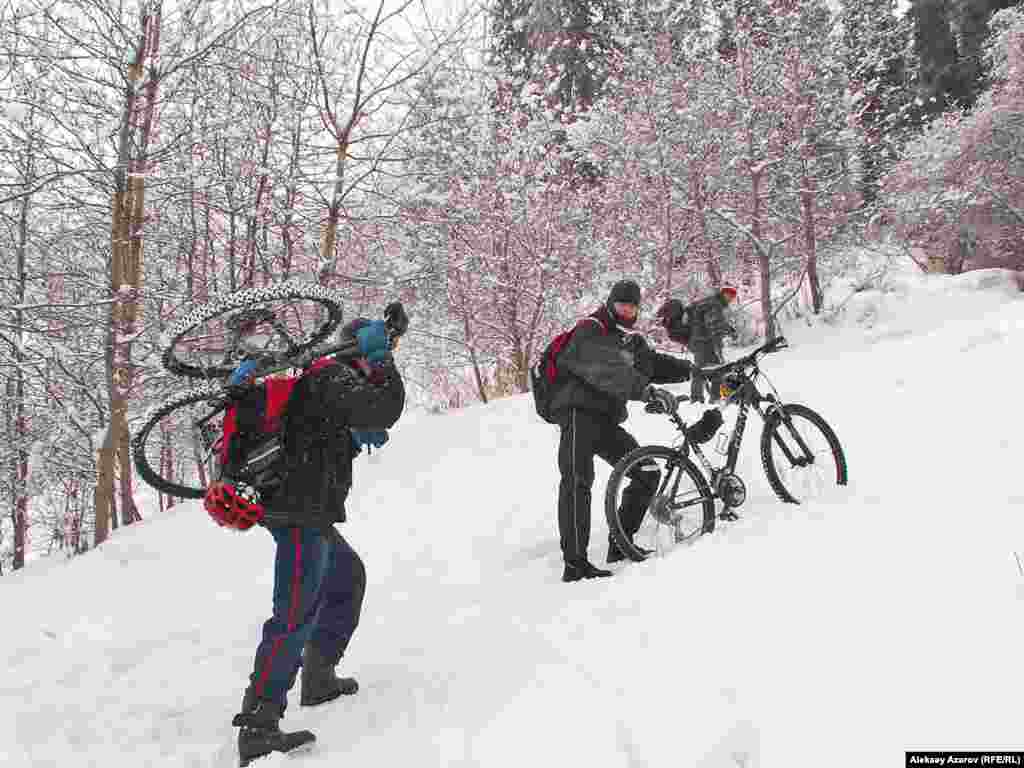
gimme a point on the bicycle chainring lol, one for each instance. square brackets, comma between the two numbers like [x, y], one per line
[730, 489]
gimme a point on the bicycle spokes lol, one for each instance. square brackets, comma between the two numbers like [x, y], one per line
[176, 449]
[673, 513]
[277, 321]
[802, 456]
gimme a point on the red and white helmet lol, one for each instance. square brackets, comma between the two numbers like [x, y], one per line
[233, 505]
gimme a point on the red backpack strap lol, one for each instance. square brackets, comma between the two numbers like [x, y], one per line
[228, 428]
[597, 320]
[278, 392]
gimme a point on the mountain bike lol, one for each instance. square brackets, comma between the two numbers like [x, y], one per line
[800, 454]
[280, 328]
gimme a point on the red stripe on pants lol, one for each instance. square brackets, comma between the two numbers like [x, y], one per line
[292, 609]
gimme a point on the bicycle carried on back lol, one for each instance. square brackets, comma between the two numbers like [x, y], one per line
[800, 454]
[281, 327]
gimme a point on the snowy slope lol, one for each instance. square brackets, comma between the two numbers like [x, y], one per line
[887, 617]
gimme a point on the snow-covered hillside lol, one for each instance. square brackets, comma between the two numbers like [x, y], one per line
[884, 618]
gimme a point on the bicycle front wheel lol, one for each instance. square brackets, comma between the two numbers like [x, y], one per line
[657, 498]
[801, 454]
[175, 450]
[280, 320]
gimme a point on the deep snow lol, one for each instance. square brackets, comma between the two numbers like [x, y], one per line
[886, 617]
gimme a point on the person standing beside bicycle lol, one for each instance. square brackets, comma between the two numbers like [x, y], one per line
[702, 327]
[601, 367]
[329, 414]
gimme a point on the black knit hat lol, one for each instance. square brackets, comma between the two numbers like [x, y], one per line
[626, 292]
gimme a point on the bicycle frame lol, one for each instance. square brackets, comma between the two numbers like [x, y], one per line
[688, 509]
[271, 363]
[746, 395]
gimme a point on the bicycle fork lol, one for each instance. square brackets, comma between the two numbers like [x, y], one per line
[795, 461]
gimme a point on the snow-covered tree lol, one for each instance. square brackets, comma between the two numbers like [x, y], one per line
[957, 192]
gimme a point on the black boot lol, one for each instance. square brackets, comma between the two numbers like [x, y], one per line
[260, 733]
[615, 554]
[582, 569]
[319, 682]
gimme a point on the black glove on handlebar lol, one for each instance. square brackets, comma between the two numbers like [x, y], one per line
[396, 319]
[659, 400]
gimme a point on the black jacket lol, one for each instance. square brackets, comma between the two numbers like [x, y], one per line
[317, 445]
[600, 372]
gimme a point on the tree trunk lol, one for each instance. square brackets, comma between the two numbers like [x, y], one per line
[20, 469]
[103, 494]
[330, 238]
[200, 466]
[127, 218]
[766, 293]
[810, 243]
[464, 312]
[481, 389]
[759, 260]
[666, 188]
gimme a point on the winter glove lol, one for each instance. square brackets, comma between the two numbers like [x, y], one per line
[243, 373]
[368, 438]
[396, 319]
[660, 400]
[373, 341]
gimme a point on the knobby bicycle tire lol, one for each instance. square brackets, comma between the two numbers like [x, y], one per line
[246, 299]
[173, 412]
[620, 474]
[776, 428]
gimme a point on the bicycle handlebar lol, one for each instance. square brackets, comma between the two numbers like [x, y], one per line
[396, 324]
[347, 349]
[770, 346]
[655, 408]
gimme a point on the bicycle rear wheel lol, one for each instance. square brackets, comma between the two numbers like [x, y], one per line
[175, 451]
[801, 454]
[280, 320]
[657, 498]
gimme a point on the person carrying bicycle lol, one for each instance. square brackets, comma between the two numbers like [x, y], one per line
[604, 367]
[322, 419]
[701, 326]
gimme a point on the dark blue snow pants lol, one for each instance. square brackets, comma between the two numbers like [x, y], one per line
[319, 582]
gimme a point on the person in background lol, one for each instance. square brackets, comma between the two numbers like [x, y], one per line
[702, 327]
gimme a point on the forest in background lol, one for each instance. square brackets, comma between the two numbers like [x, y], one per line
[495, 167]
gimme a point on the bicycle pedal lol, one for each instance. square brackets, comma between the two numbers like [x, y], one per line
[728, 516]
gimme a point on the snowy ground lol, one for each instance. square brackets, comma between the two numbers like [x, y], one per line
[887, 617]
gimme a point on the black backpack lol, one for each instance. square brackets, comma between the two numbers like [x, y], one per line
[544, 375]
[248, 451]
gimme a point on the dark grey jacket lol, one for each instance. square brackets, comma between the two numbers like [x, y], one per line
[599, 372]
[706, 320]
